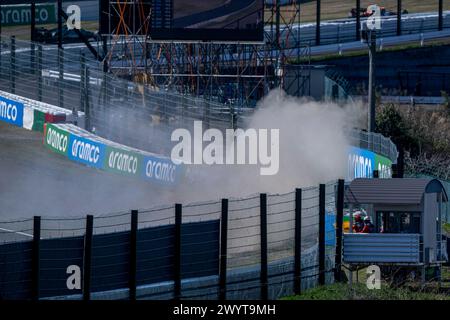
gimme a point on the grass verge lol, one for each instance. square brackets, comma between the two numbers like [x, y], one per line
[342, 291]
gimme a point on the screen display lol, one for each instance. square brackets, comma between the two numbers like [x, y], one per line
[227, 20]
[238, 20]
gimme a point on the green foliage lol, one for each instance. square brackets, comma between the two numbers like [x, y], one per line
[342, 291]
[446, 97]
[390, 123]
[446, 228]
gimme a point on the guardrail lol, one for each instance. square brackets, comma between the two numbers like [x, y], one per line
[32, 115]
[413, 100]
[341, 31]
[84, 147]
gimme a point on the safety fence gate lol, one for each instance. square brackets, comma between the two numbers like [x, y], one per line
[264, 246]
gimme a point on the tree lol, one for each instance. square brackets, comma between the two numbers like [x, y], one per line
[390, 123]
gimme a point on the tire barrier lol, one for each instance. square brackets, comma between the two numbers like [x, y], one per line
[32, 115]
[86, 148]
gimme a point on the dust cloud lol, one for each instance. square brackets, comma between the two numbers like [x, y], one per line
[313, 150]
[35, 181]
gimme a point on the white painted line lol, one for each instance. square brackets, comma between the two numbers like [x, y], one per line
[17, 232]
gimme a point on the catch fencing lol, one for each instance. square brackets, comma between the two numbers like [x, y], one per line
[119, 110]
[325, 22]
[115, 109]
[260, 247]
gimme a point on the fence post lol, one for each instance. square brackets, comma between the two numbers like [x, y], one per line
[1, 45]
[339, 231]
[298, 243]
[399, 17]
[87, 106]
[358, 20]
[61, 78]
[441, 15]
[263, 229]
[33, 58]
[36, 258]
[82, 86]
[39, 67]
[318, 9]
[223, 250]
[177, 252]
[87, 259]
[133, 254]
[13, 65]
[322, 234]
[60, 23]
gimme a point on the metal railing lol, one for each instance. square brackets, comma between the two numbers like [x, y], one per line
[344, 30]
[375, 142]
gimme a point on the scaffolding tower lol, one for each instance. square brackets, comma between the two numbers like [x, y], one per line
[238, 73]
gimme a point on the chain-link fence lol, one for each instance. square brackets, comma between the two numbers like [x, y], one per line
[264, 245]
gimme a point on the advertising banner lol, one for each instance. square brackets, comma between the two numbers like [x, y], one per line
[384, 166]
[56, 139]
[11, 112]
[161, 170]
[122, 161]
[361, 163]
[39, 120]
[14, 15]
[86, 151]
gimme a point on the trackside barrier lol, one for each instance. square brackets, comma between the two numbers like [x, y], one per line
[206, 251]
[362, 163]
[32, 115]
[84, 147]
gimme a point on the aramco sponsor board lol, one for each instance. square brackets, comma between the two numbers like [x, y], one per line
[362, 163]
[83, 147]
[11, 111]
[13, 15]
[32, 115]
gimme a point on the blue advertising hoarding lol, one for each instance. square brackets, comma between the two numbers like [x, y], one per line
[160, 170]
[86, 151]
[11, 111]
[361, 163]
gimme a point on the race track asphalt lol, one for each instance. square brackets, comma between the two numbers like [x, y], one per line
[36, 181]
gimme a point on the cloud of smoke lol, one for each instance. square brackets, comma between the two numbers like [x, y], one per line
[312, 151]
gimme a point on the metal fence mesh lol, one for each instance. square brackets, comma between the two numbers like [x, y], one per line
[112, 242]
